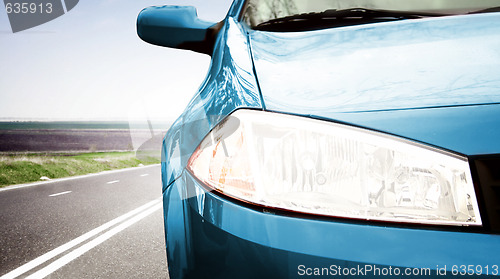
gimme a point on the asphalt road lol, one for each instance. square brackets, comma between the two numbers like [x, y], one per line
[101, 226]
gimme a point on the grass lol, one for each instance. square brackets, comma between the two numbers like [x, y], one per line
[16, 169]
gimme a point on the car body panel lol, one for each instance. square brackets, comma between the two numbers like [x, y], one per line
[229, 85]
[361, 75]
[444, 61]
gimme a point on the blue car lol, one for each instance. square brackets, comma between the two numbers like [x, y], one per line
[335, 138]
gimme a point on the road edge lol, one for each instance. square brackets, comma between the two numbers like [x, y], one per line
[31, 184]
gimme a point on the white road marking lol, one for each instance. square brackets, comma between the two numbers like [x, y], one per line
[58, 194]
[146, 174]
[65, 247]
[42, 273]
[112, 182]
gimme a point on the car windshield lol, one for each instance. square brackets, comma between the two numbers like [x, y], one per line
[281, 15]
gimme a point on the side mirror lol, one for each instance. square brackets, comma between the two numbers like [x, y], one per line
[177, 27]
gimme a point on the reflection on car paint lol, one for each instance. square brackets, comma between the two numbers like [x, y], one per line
[229, 85]
[396, 65]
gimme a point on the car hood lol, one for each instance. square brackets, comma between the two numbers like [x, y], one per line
[433, 80]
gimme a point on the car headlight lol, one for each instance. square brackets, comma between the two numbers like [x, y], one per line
[319, 167]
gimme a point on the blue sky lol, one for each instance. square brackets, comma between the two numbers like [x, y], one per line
[89, 64]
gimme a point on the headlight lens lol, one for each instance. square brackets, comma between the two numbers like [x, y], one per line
[312, 166]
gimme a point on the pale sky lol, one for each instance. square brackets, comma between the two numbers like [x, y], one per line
[89, 64]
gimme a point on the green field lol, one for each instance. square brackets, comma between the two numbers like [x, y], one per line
[16, 169]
